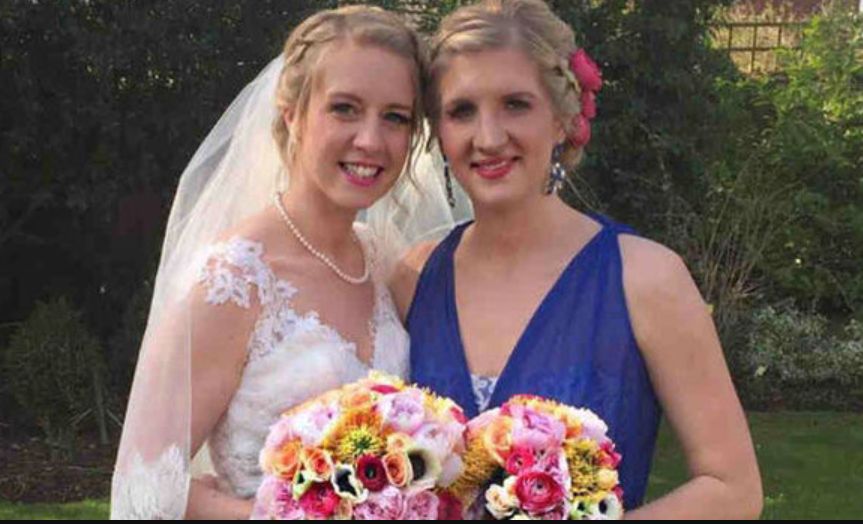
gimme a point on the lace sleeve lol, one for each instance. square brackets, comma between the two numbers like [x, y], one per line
[231, 272]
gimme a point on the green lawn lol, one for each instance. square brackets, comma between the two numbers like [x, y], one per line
[811, 463]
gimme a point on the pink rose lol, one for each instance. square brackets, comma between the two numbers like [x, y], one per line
[422, 506]
[581, 134]
[388, 504]
[538, 492]
[320, 501]
[588, 104]
[586, 71]
[284, 506]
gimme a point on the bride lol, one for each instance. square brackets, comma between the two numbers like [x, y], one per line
[267, 297]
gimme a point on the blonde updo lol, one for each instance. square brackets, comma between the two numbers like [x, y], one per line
[528, 25]
[361, 24]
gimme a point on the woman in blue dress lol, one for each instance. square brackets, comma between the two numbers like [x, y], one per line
[535, 297]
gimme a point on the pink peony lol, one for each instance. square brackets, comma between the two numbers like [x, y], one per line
[586, 71]
[422, 506]
[388, 504]
[403, 412]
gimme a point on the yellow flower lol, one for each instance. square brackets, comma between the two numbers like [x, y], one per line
[357, 433]
[606, 479]
[479, 467]
[580, 457]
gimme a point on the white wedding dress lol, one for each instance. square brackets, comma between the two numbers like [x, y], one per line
[292, 357]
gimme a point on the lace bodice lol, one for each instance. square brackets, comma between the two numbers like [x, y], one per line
[291, 357]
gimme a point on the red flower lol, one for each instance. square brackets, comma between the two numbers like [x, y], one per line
[519, 460]
[588, 104]
[320, 501]
[449, 507]
[586, 71]
[371, 472]
[581, 135]
[610, 458]
[538, 492]
[384, 389]
[458, 414]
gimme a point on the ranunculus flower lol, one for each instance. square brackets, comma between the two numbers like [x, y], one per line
[359, 400]
[319, 501]
[519, 460]
[588, 104]
[449, 507]
[500, 502]
[398, 468]
[581, 134]
[371, 472]
[388, 504]
[422, 505]
[384, 389]
[538, 492]
[586, 71]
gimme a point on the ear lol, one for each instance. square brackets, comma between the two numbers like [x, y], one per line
[288, 117]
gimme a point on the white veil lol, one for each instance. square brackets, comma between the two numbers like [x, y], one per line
[233, 175]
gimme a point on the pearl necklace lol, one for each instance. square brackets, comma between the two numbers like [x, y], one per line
[320, 256]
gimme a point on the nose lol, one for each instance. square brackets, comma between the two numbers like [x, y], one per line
[490, 134]
[369, 136]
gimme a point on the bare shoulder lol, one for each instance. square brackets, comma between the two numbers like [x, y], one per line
[651, 269]
[406, 275]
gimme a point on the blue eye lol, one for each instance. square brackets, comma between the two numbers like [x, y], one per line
[461, 111]
[398, 118]
[343, 109]
[517, 104]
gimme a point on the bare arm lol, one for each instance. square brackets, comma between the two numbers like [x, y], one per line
[220, 335]
[681, 348]
[403, 283]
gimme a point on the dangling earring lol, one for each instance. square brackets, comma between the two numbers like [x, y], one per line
[557, 174]
[450, 197]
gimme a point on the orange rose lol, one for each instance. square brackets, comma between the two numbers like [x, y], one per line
[398, 467]
[285, 461]
[497, 439]
[317, 463]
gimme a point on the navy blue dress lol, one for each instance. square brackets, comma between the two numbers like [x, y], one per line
[578, 349]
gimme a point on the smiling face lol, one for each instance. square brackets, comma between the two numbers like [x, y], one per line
[354, 135]
[497, 125]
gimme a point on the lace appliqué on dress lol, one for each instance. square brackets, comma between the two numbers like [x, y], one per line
[483, 388]
[151, 491]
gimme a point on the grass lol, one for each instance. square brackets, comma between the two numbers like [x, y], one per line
[811, 465]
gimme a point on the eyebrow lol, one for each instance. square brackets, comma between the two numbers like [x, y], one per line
[358, 100]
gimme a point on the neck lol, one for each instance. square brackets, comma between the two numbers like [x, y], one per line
[508, 233]
[327, 226]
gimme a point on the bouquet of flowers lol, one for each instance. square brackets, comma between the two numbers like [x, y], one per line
[374, 449]
[534, 458]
